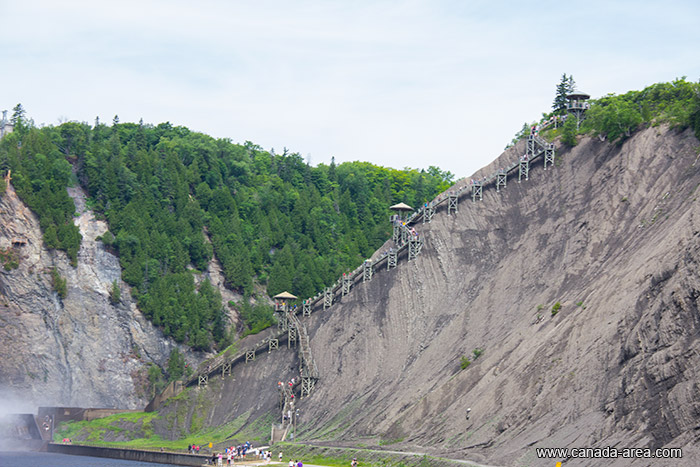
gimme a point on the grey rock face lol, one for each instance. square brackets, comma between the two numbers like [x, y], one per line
[77, 351]
[612, 233]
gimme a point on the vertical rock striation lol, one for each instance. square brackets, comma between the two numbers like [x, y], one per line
[611, 233]
[80, 350]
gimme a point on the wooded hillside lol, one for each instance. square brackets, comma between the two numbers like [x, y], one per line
[175, 198]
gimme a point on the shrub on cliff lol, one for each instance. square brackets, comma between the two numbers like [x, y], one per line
[58, 283]
[115, 293]
[568, 135]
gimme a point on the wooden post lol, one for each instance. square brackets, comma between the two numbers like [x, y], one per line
[291, 335]
[391, 259]
[501, 180]
[452, 204]
[225, 369]
[327, 297]
[367, 271]
[549, 155]
[347, 282]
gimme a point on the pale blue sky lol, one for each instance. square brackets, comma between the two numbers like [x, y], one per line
[396, 83]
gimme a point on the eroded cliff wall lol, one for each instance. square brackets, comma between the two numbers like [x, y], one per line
[80, 350]
[611, 232]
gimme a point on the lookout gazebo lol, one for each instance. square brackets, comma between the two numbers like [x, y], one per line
[401, 210]
[577, 105]
[282, 306]
[282, 300]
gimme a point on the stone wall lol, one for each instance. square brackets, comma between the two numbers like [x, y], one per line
[129, 454]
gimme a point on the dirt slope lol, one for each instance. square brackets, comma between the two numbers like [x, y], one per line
[612, 228]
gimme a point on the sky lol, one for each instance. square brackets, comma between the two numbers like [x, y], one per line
[396, 83]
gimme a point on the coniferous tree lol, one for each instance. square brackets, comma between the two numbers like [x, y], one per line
[566, 86]
[568, 136]
[18, 118]
[176, 365]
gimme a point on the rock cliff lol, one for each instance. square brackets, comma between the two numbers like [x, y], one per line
[610, 233]
[80, 350]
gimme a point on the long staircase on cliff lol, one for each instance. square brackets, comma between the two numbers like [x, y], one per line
[407, 242]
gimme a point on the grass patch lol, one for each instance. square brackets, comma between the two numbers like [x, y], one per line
[93, 434]
[258, 430]
[128, 424]
[388, 442]
[139, 427]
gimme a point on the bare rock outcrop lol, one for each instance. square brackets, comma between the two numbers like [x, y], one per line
[80, 350]
[612, 234]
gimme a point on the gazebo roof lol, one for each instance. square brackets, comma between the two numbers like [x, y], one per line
[285, 296]
[577, 96]
[401, 207]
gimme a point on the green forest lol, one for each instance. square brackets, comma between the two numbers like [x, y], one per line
[174, 198]
[615, 117]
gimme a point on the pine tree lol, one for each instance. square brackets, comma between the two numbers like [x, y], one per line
[176, 365]
[566, 86]
[18, 118]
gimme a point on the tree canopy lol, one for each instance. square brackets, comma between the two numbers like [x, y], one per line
[174, 199]
[615, 117]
